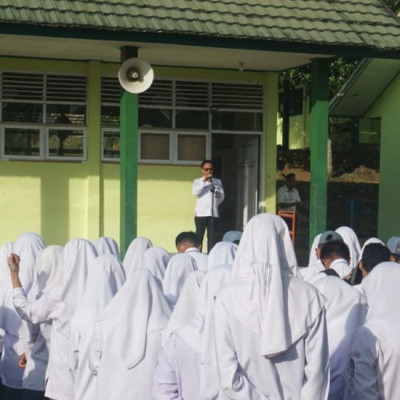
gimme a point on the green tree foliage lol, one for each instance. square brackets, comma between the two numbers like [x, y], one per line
[340, 68]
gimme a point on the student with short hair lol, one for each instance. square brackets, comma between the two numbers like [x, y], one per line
[336, 255]
[189, 243]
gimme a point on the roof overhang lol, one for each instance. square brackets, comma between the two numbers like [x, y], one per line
[183, 50]
[162, 54]
[369, 80]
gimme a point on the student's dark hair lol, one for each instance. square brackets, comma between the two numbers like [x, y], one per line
[205, 162]
[290, 176]
[335, 249]
[189, 238]
[374, 254]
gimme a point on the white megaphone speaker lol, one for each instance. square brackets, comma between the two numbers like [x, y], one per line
[135, 75]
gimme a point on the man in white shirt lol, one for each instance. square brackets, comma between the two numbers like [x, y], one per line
[210, 194]
[288, 196]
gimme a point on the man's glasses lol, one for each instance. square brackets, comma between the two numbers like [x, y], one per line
[208, 169]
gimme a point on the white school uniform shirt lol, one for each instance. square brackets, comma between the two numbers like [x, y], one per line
[309, 273]
[106, 277]
[270, 328]
[188, 367]
[200, 258]
[128, 339]
[179, 267]
[26, 246]
[202, 190]
[178, 372]
[284, 195]
[342, 267]
[374, 358]
[346, 309]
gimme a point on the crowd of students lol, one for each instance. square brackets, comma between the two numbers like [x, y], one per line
[243, 322]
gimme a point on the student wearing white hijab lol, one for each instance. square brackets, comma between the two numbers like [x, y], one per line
[134, 254]
[179, 267]
[106, 276]
[27, 246]
[350, 238]
[223, 253]
[128, 339]
[270, 328]
[186, 306]
[106, 245]
[155, 260]
[374, 358]
[188, 367]
[58, 306]
[346, 309]
[49, 276]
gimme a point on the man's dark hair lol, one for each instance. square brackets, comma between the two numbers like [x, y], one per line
[187, 238]
[205, 162]
[374, 254]
[335, 250]
[290, 176]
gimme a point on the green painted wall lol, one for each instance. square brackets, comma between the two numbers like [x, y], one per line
[61, 200]
[387, 108]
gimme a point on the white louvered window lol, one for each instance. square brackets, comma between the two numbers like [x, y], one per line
[177, 118]
[237, 108]
[43, 116]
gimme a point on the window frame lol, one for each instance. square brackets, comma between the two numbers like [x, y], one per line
[44, 127]
[175, 132]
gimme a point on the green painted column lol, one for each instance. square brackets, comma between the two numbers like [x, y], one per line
[129, 123]
[319, 146]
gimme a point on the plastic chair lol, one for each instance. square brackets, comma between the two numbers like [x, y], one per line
[290, 219]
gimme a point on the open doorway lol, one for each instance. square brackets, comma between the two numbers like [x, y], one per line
[236, 162]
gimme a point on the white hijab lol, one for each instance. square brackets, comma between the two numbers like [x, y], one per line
[350, 238]
[106, 245]
[223, 253]
[312, 259]
[77, 255]
[179, 267]
[105, 277]
[137, 310]
[261, 294]
[199, 334]
[49, 267]
[27, 246]
[381, 288]
[5, 250]
[134, 254]
[155, 260]
[186, 306]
